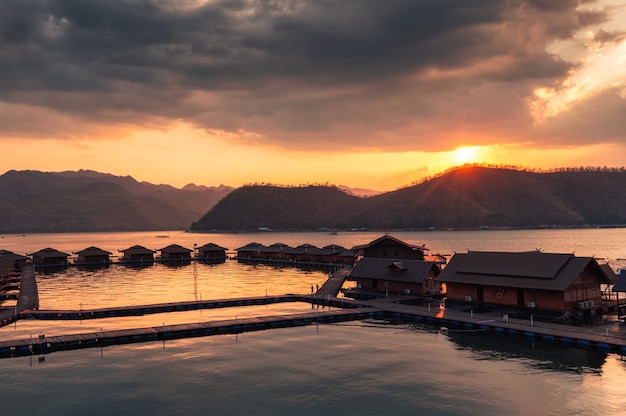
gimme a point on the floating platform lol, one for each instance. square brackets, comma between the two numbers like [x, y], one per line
[606, 337]
[45, 345]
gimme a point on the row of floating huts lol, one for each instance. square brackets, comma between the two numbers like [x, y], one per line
[530, 280]
[97, 256]
[278, 252]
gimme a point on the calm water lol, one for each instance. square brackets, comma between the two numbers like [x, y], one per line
[364, 368]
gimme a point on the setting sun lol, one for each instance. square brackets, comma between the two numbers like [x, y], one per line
[465, 154]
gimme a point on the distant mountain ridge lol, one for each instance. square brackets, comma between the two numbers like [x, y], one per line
[81, 201]
[468, 197]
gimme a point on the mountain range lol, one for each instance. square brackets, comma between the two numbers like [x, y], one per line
[470, 197]
[467, 197]
[82, 201]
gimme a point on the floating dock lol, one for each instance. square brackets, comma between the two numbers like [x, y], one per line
[609, 337]
[45, 345]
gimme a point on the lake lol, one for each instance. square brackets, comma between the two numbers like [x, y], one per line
[364, 368]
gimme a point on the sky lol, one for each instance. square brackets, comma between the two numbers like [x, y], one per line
[364, 93]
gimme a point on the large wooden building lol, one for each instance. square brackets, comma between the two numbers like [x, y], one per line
[390, 247]
[552, 282]
[396, 276]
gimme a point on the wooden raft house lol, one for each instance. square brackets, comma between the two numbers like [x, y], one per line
[535, 280]
[391, 247]
[49, 257]
[175, 252]
[211, 252]
[93, 256]
[137, 254]
[397, 276]
[250, 251]
[334, 254]
[16, 260]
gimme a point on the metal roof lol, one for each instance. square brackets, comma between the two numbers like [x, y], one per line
[175, 248]
[620, 286]
[211, 247]
[92, 251]
[531, 270]
[6, 254]
[389, 239]
[527, 264]
[254, 246]
[137, 250]
[49, 252]
[414, 271]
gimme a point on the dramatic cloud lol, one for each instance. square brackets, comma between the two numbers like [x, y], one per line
[400, 75]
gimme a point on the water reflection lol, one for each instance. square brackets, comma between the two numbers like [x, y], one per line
[539, 354]
[137, 264]
[149, 283]
[175, 264]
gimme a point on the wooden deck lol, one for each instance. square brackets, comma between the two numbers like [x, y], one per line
[28, 298]
[45, 345]
[609, 336]
[332, 286]
[139, 310]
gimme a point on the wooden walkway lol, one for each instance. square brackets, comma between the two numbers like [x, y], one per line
[28, 298]
[139, 310]
[332, 286]
[610, 336]
[45, 345]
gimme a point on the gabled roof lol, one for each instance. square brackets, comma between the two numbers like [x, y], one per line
[175, 248]
[389, 239]
[6, 254]
[137, 250]
[331, 249]
[348, 253]
[275, 248]
[303, 248]
[531, 270]
[410, 271]
[211, 247]
[620, 286]
[92, 251]
[254, 246]
[610, 273]
[49, 252]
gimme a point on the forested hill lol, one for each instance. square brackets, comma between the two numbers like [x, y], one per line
[32, 201]
[468, 197]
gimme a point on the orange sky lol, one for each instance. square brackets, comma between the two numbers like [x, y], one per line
[360, 93]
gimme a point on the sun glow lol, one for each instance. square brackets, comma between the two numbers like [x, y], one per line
[465, 154]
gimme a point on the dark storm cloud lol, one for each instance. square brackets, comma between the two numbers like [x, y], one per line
[295, 71]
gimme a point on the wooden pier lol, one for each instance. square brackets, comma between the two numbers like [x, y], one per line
[140, 310]
[45, 345]
[28, 298]
[609, 336]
